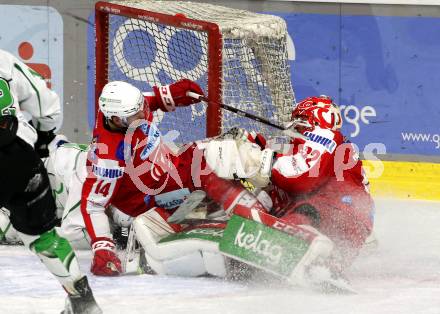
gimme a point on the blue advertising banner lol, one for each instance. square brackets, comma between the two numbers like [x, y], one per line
[383, 71]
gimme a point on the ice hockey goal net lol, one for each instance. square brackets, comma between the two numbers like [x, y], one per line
[238, 57]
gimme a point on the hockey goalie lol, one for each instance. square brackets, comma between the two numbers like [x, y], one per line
[317, 209]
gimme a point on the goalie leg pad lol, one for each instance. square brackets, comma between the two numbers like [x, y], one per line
[189, 265]
[275, 246]
[194, 264]
[215, 263]
[168, 253]
[152, 226]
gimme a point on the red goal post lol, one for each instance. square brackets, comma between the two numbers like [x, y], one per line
[154, 43]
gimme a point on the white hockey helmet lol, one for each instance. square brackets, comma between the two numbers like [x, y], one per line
[120, 99]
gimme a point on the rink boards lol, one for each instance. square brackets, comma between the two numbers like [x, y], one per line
[404, 180]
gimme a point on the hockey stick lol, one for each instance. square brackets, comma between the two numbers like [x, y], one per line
[238, 111]
[190, 203]
[130, 262]
[288, 129]
[200, 221]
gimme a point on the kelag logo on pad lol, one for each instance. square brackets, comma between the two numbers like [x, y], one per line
[259, 245]
[263, 246]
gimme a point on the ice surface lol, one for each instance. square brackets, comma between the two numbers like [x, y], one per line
[402, 276]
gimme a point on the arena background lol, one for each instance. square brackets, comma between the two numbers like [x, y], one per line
[379, 60]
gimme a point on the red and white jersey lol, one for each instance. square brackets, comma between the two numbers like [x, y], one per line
[106, 166]
[132, 171]
[321, 182]
[158, 176]
[311, 162]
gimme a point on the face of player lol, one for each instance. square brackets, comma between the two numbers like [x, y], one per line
[120, 123]
[137, 116]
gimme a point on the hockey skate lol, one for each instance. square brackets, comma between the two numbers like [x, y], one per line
[120, 236]
[84, 303]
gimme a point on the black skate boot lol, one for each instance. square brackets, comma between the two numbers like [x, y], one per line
[84, 302]
[120, 236]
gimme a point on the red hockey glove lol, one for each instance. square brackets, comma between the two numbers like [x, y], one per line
[105, 261]
[174, 95]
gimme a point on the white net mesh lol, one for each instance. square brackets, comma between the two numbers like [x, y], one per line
[255, 70]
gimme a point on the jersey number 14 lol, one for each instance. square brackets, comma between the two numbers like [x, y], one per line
[102, 188]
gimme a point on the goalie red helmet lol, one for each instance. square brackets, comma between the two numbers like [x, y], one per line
[317, 111]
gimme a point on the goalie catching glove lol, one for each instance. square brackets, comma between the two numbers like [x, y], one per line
[245, 160]
[168, 97]
[241, 136]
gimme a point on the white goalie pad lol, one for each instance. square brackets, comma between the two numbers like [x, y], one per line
[197, 263]
[183, 256]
